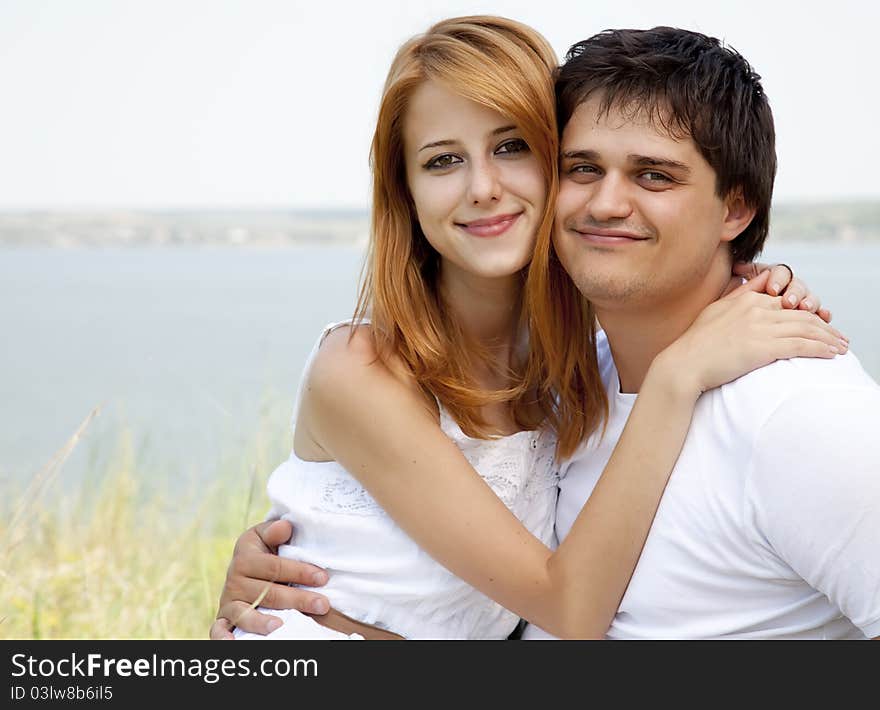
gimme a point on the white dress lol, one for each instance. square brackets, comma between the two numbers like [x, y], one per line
[377, 573]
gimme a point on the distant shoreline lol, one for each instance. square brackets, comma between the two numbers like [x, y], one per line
[852, 222]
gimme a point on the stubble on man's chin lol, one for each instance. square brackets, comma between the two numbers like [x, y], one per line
[663, 286]
[607, 290]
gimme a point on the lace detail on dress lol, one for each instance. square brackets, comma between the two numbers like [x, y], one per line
[348, 497]
[517, 467]
[545, 470]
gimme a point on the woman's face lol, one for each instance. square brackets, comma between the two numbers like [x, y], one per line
[478, 191]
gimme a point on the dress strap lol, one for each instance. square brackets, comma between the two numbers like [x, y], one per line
[308, 364]
[447, 423]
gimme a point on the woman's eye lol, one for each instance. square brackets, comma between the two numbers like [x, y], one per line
[442, 161]
[517, 145]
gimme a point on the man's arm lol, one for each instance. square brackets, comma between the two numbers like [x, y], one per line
[258, 576]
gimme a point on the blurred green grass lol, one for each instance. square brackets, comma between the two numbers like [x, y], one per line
[127, 553]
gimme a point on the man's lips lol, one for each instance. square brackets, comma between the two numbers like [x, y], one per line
[489, 226]
[609, 236]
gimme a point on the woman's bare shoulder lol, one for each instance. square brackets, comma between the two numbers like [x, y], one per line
[348, 357]
[348, 381]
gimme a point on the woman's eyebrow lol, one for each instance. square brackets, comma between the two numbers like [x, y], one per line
[449, 141]
[435, 144]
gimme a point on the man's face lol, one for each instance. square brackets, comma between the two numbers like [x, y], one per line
[638, 220]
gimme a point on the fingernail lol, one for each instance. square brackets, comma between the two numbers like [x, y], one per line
[273, 624]
[319, 578]
[808, 304]
[835, 350]
[844, 343]
[776, 287]
[319, 606]
[792, 299]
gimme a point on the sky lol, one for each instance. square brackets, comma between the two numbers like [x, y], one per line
[225, 104]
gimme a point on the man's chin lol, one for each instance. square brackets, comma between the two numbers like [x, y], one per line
[610, 290]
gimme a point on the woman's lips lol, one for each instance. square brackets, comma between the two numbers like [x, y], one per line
[491, 226]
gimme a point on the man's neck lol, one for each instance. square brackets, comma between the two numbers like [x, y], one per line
[637, 333]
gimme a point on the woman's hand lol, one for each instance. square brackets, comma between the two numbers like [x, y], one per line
[795, 293]
[745, 330]
[257, 575]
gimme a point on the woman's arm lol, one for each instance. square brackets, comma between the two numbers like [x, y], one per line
[255, 576]
[782, 282]
[380, 428]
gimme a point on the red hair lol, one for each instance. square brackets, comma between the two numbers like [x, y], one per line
[565, 369]
[505, 66]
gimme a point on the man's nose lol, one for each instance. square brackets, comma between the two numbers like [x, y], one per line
[610, 198]
[485, 184]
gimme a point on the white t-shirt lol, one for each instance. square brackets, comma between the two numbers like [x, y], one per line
[770, 524]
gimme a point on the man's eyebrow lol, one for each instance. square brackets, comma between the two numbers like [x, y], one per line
[582, 154]
[648, 161]
[449, 141]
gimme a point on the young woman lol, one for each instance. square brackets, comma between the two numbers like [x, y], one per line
[421, 474]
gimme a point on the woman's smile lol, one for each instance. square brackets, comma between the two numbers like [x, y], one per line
[490, 226]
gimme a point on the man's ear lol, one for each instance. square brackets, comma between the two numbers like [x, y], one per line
[737, 215]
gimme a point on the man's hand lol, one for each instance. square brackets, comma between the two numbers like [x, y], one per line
[258, 576]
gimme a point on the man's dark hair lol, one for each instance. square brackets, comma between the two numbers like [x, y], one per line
[688, 84]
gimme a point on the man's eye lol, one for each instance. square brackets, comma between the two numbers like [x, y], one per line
[517, 145]
[653, 176]
[442, 161]
[582, 169]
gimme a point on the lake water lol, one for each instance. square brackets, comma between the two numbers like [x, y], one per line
[196, 352]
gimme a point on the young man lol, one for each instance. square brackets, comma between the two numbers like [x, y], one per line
[765, 530]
